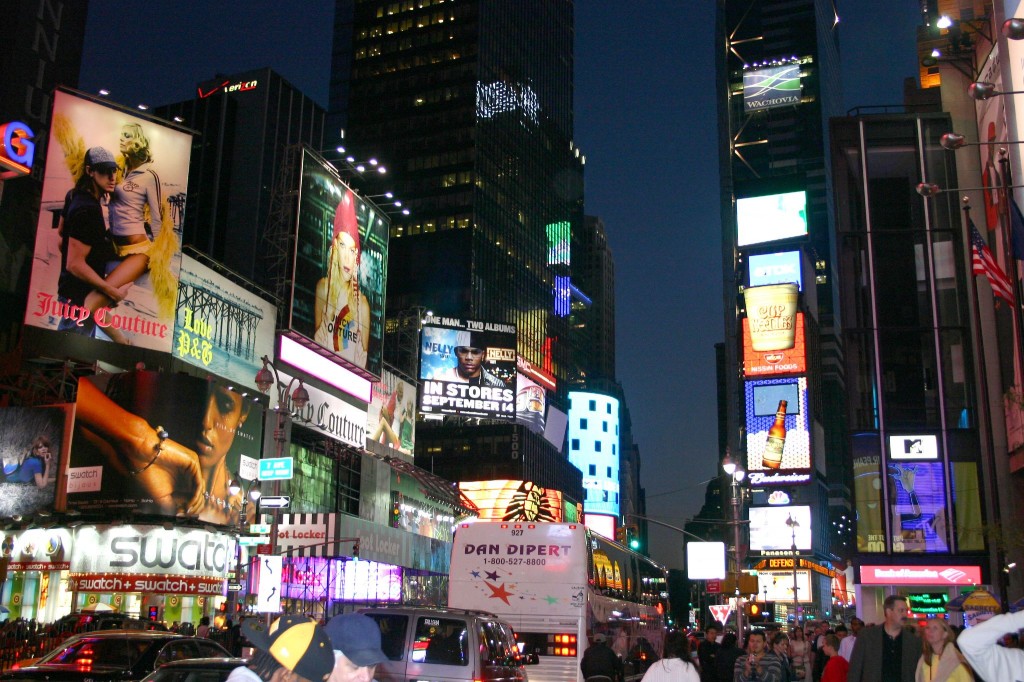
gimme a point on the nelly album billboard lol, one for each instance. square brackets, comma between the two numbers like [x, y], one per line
[107, 248]
[468, 367]
[340, 269]
[158, 443]
[220, 326]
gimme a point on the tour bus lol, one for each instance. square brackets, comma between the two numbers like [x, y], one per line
[557, 585]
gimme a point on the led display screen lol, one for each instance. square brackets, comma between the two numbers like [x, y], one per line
[340, 268]
[558, 243]
[775, 268]
[771, 217]
[771, 87]
[778, 585]
[796, 451]
[468, 367]
[769, 531]
[705, 560]
[130, 243]
[594, 448]
[117, 461]
[221, 327]
[867, 487]
[513, 500]
[774, 362]
[917, 495]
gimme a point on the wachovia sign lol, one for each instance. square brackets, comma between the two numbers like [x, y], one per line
[151, 559]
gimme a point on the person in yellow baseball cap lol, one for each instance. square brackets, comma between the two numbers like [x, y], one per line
[292, 649]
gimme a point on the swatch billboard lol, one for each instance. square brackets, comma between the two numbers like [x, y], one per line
[220, 326]
[109, 270]
[468, 367]
[33, 442]
[157, 443]
[340, 269]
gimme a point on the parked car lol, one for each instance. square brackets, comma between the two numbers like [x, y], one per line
[124, 655]
[85, 621]
[195, 670]
[446, 644]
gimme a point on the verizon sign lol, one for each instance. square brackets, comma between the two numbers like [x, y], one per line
[920, 575]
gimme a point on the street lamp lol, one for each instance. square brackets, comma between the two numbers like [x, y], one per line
[252, 491]
[793, 525]
[736, 475]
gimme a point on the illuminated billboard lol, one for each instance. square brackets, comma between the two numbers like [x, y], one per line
[221, 327]
[340, 269]
[771, 87]
[775, 362]
[558, 243]
[914, 447]
[33, 442]
[513, 500]
[468, 367]
[161, 443]
[391, 417]
[763, 401]
[769, 529]
[774, 268]
[109, 270]
[771, 217]
[917, 494]
[778, 585]
[594, 449]
[531, 404]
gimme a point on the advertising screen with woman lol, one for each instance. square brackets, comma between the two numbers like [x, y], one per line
[108, 245]
[340, 268]
[32, 440]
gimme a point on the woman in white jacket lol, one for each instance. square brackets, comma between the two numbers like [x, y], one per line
[675, 666]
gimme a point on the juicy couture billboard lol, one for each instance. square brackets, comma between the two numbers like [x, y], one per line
[107, 251]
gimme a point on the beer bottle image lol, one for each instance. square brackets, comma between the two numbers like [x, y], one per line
[772, 457]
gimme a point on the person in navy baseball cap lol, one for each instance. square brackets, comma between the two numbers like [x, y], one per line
[356, 641]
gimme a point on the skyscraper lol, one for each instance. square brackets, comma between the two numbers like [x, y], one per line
[469, 103]
[778, 71]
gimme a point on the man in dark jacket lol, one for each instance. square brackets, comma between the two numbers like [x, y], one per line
[600, 661]
[888, 653]
[707, 654]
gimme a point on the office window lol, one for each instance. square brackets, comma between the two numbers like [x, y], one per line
[608, 408]
[592, 470]
[609, 474]
[604, 426]
[597, 446]
[575, 443]
[593, 405]
[583, 424]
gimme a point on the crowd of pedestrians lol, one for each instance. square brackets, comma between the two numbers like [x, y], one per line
[895, 650]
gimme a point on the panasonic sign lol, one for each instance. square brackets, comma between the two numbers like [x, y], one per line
[775, 268]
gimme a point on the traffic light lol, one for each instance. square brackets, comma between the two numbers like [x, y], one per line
[622, 534]
[753, 612]
[760, 612]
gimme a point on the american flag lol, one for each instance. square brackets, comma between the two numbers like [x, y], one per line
[983, 263]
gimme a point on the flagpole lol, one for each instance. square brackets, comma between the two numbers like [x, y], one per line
[988, 463]
[1011, 261]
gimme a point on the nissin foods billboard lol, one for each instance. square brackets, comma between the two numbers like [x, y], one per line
[771, 217]
[775, 362]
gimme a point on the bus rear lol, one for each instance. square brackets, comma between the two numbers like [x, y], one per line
[533, 575]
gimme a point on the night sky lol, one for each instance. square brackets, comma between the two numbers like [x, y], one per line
[645, 119]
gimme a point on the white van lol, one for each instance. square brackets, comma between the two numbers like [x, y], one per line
[445, 645]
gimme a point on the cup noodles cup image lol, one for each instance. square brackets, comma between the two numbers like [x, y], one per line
[771, 314]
